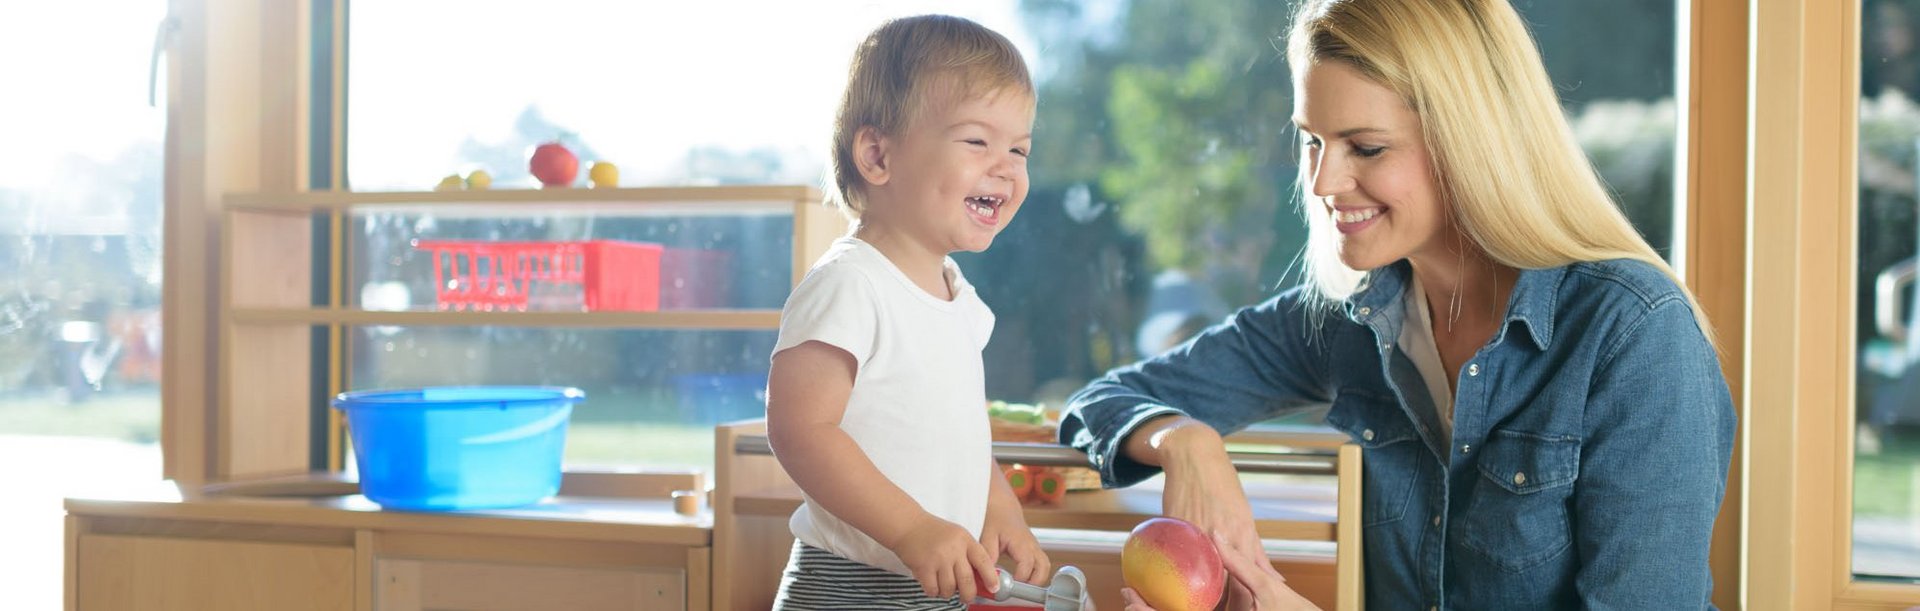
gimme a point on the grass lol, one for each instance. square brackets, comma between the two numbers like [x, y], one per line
[132, 416]
[1884, 484]
[624, 444]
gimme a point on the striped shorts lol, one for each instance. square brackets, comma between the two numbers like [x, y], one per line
[816, 579]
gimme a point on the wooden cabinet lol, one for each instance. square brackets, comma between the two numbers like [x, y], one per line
[1313, 527]
[164, 551]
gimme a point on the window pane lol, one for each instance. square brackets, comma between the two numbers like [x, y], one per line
[1886, 477]
[1162, 169]
[652, 396]
[80, 209]
[423, 260]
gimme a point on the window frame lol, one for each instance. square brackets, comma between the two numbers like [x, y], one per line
[1804, 172]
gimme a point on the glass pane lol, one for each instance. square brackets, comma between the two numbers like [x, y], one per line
[652, 396]
[80, 209]
[1162, 165]
[423, 260]
[1886, 477]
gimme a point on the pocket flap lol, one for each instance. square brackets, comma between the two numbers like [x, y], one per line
[1525, 463]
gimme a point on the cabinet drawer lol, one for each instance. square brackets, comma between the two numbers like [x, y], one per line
[117, 572]
[450, 585]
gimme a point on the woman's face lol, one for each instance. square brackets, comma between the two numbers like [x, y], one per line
[1370, 176]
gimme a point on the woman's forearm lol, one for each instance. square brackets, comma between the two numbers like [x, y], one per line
[1172, 439]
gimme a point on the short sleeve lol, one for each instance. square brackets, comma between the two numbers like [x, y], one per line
[834, 305]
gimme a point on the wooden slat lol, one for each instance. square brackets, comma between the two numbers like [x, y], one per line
[1350, 567]
[1305, 519]
[748, 552]
[731, 199]
[717, 320]
[263, 420]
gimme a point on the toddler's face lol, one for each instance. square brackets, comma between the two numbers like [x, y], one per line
[959, 173]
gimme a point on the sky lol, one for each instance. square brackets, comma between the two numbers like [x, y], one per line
[73, 79]
[641, 82]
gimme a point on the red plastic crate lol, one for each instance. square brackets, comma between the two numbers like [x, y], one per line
[488, 275]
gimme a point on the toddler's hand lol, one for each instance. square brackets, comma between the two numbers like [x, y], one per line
[1012, 538]
[943, 557]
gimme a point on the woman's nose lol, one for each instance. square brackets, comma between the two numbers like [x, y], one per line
[1330, 178]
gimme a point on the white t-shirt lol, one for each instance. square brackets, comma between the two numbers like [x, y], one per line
[918, 407]
[1416, 340]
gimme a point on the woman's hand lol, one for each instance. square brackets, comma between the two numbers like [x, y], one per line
[1203, 488]
[1262, 588]
[1005, 533]
[943, 557]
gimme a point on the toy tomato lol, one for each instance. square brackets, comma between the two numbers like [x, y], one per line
[554, 165]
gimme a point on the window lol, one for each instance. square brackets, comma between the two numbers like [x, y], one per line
[1886, 500]
[1162, 170]
[80, 202]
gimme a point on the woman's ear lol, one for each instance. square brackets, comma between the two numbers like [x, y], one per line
[870, 150]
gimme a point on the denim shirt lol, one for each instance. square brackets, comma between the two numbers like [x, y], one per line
[1590, 448]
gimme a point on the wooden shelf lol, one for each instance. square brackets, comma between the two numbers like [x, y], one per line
[722, 320]
[1297, 513]
[630, 520]
[650, 201]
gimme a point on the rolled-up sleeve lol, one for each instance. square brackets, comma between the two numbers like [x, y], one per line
[1259, 363]
[1660, 426]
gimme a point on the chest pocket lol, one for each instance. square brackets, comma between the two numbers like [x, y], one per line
[1517, 518]
[1391, 453]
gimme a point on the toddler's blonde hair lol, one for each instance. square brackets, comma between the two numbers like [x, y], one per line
[904, 66]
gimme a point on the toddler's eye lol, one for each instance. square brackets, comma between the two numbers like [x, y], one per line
[976, 142]
[1019, 151]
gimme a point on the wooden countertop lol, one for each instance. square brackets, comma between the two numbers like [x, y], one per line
[311, 502]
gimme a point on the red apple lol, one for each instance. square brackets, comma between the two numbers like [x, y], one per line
[554, 165]
[1173, 565]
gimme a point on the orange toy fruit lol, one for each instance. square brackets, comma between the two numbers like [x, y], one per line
[1048, 486]
[1021, 479]
[1173, 565]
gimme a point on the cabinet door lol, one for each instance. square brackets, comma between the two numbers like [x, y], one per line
[447, 585]
[131, 573]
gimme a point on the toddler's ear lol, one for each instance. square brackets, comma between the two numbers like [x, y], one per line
[870, 150]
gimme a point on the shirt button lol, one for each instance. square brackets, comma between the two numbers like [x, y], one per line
[1465, 448]
[1519, 479]
[1473, 369]
[1367, 434]
[1366, 311]
[1436, 520]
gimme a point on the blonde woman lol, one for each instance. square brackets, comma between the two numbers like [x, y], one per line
[1542, 413]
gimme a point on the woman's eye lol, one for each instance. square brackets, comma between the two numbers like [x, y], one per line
[1312, 143]
[1369, 152]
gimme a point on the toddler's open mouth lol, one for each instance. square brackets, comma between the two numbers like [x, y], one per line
[986, 207]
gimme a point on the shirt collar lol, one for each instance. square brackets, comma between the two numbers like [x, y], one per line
[1536, 296]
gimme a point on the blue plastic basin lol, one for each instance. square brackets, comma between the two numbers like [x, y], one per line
[449, 448]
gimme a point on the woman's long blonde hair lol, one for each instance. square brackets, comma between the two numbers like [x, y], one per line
[1517, 182]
